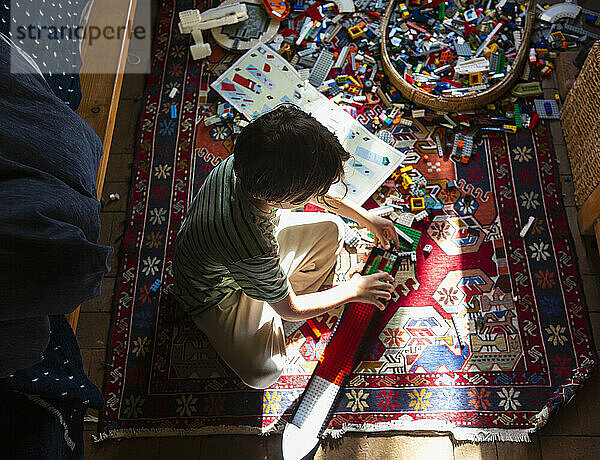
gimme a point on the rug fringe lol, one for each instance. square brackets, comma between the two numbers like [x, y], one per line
[276, 427]
[438, 426]
[414, 426]
[126, 433]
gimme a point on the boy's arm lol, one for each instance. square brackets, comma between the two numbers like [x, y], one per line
[382, 228]
[346, 208]
[374, 289]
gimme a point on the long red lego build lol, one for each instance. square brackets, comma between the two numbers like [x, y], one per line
[301, 436]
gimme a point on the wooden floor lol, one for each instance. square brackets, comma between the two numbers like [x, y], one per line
[573, 434]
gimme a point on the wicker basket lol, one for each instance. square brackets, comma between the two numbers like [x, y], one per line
[580, 119]
[457, 103]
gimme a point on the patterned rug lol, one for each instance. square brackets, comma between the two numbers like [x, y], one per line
[486, 337]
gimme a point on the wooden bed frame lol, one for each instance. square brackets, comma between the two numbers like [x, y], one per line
[101, 92]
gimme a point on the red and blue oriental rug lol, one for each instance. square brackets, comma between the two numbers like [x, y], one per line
[519, 347]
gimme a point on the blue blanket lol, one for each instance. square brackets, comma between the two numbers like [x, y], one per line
[50, 263]
[49, 213]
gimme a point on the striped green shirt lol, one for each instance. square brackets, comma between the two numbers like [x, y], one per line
[226, 243]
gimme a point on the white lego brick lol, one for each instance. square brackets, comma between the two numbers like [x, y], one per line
[526, 227]
[472, 65]
[188, 20]
[342, 57]
[517, 37]
[215, 17]
[405, 218]
[420, 216]
[560, 11]
[219, 22]
[200, 51]
[197, 35]
[438, 145]
[331, 35]
[345, 6]
[351, 236]
[382, 211]
[237, 9]
[304, 73]
[304, 30]
[404, 236]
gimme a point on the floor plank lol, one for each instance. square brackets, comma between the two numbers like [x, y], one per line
[353, 446]
[588, 405]
[519, 450]
[570, 448]
[480, 451]
[180, 448]
[567, 189]
[585, 266]
[562, 157]
[133, 85]
[147, 450]
[126, 125]
[120, 205]
[556, 132]
[565, 422]
[102, 303]
[591, 288]
[231, 447]
[119, 167]
[105, 450]
[402, 447]
[92, 330]
[568, 72]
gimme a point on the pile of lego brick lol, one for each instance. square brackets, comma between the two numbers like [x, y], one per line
[461, 48]
[336, 52]
[454, 48]
[339, 54]
[335, 47]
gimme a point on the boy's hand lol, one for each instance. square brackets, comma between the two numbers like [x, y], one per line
[373, 289]
[384, 231]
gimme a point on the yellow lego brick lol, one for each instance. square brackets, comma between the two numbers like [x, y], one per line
[417, 203]
[355, 32]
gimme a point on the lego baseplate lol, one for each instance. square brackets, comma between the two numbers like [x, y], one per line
[414, 234]
[540, 108]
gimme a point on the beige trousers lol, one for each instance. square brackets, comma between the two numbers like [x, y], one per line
[248, 333]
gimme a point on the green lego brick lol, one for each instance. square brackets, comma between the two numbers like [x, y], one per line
[518, 120]
[501, 63]
[414, 234]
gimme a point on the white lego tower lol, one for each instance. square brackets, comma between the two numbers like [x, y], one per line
[194, 22]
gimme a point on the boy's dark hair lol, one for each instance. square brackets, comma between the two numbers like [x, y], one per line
[286, 155]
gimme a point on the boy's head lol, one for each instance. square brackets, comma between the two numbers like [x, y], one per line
[287, 156]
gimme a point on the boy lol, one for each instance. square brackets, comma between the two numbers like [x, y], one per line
[240, 267]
